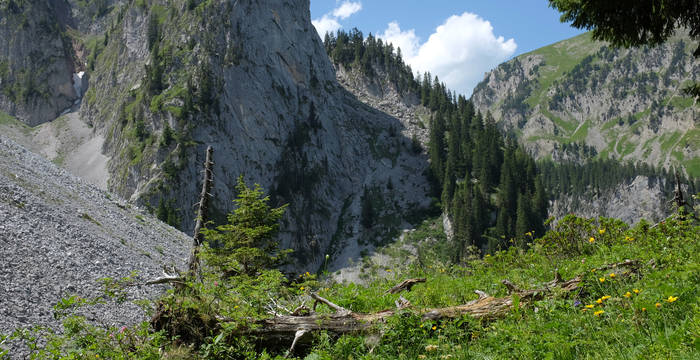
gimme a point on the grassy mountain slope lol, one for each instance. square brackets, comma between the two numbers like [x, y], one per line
[623, 103]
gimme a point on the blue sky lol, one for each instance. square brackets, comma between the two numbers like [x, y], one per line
[457, 40]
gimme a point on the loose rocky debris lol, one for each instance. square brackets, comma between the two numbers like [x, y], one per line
[59, 236]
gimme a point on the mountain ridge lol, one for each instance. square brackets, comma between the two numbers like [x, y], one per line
[584, 92]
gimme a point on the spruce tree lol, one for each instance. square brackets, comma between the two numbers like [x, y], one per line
[247, 243]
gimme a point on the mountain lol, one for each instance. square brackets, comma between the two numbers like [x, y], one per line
[251, 78]
[580, 99]
[60, 236]
[370, 70]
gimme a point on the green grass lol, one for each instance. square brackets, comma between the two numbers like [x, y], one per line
[554, 327]
[681, 102]
[12, 122]
[627, 147]
[567, 126]
[559, 58]
[6, 119]
[582, 133]
[691, 139]
[669, 140]
[692, 166]
[651, 313]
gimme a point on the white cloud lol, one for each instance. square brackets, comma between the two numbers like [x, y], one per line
[459, 52]
[325, 24]
[329, 22]
[346, 9]
[406, 40]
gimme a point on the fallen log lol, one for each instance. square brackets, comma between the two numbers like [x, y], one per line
[286, 329]
[404, 285]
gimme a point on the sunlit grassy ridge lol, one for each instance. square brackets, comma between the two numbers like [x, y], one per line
[572, 81]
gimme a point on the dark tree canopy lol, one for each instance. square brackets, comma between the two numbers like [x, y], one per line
[634, 22]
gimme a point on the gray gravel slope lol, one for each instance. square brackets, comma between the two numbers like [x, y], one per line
[60, 235]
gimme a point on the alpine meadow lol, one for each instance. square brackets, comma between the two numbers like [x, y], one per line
[268, 179]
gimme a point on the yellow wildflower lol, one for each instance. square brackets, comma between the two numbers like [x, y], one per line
[591, 306]
[602, 279]
[628, 294]
[301, 288]
[599, 312]
[599, 301]
[601, 231]
[606, 297]
[434, 327]
[644, 309]
[672, 299]
[421, 325]
[591, 240]
[658, 305]
[636, 291]
[612, 275]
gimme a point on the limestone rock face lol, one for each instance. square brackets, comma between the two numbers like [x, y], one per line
[625, 104]
[642, 198]
[36, 60]
[251, 79]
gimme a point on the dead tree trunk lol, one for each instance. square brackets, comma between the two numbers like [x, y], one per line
[202, 213]
[285, 329]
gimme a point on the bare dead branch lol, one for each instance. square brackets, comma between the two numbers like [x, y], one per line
[337, 308]
[404, 285]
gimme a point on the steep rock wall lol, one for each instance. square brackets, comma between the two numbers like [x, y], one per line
[36, 60]
[250, 78]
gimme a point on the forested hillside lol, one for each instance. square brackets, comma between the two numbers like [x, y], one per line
[492, 189]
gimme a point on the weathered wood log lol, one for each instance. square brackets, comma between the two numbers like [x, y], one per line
[344, 321]
[285, 329]
[202, 213]
[404, 285]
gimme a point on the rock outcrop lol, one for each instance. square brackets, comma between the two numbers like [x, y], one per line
[36, 60]
[625, 104]
[641, 198]
[251, 79]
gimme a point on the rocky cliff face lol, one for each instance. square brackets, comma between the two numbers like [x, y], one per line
[36, 60]
[622, 103]
[641, 198]
[250, 78]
